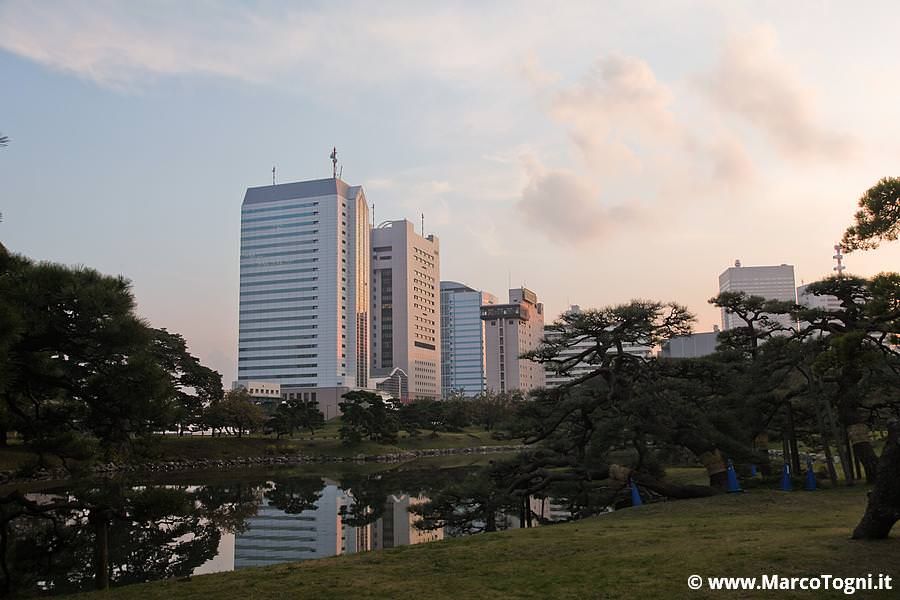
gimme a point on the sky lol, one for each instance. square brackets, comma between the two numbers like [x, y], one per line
[595, 152]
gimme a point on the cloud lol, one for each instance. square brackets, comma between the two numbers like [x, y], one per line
[125, 45]
[566, 207]
[616, 109]
[754, 82]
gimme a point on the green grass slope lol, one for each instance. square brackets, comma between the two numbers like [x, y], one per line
[645, 552]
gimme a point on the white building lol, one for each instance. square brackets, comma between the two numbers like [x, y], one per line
[405, 305]
[304, 285]
[809, 300]
[261, 392]
[770, 282]
[554, 379]
[510, 331]
[463, 367]
[693, 345]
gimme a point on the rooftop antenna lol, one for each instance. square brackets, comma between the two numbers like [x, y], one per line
[334, 162]
[273, 174]
[839, 259]
[423, 224]
[373, 213]
[341, 172]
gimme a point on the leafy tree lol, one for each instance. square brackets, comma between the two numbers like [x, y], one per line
[236, 411]
[80, 369]
[491, 409]
[295, 414]
[365, 415]
[619, 401]
[195, 385]
[878, 219]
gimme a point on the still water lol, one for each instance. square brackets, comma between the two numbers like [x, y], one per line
[196, 523]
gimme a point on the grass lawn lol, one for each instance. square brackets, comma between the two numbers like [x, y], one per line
[645, 552]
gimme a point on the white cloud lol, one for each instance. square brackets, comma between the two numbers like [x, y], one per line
[567, 207]
[753, 81]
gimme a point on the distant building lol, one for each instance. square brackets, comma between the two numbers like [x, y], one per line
[554, 379]
[406, 307]
[396, 385]
[263, 393]
[510, 331]
[304, 285]
[463, 368]
[770, 282]
[824, 302]
[690, 346]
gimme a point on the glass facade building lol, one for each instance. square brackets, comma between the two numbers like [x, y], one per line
[304, 277]
[462, 339]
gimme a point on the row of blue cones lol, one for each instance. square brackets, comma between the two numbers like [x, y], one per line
[787, 484]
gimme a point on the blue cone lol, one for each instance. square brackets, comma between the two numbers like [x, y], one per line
[786, 483]
[733, 484]
[810, 476]
[752, 470]
[635, 495]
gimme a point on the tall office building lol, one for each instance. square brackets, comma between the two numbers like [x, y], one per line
[772, 283]
[554, 379]
[406, 307]
[462, 339]
[304, 321]
[510, 331]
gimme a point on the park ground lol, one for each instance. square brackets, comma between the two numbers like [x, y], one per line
[643, 552]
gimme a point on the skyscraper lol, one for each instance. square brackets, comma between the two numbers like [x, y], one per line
[406, 307]
[304, 286]
[510, 331]
[771, 282]
[462, 339]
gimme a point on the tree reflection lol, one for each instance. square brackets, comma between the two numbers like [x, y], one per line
[113, 532]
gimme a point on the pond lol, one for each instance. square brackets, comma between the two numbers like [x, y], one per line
[204, 522]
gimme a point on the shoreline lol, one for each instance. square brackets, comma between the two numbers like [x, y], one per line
[199, 464]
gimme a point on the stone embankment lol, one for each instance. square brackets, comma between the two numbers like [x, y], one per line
[184, 464]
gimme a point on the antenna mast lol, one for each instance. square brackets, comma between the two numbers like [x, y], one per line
[423, 224]
[334, 162]
[839, 259]
[273, 174]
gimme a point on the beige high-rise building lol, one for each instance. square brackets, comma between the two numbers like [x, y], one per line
[510, 331]
[771, 282]
[406, 305]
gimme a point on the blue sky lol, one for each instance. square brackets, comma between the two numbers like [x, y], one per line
[593, 151]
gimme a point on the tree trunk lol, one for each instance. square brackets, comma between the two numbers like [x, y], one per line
[863, 450]
[792, 440]
[100, 520]
[490, 524]
[883, 509]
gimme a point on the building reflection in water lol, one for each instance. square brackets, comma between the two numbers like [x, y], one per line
[275, 536]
